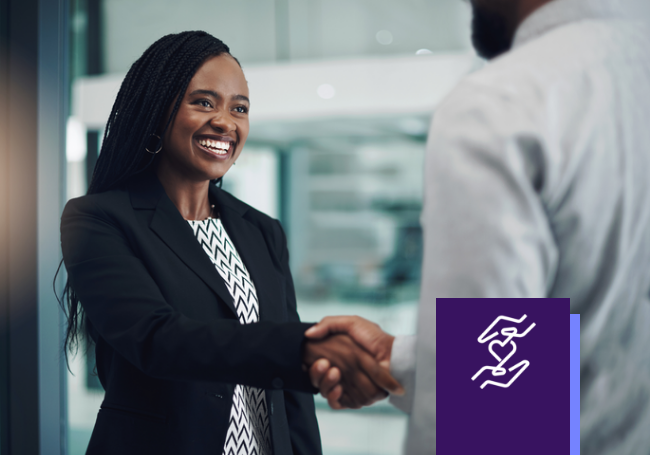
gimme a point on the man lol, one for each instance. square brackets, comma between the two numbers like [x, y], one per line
[537, 186]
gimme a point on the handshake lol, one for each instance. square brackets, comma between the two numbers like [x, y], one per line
[348, 359]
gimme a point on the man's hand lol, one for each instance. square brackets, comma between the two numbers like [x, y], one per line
[369, 335]
[362, 379]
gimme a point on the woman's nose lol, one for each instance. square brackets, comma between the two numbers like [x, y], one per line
[222, 122]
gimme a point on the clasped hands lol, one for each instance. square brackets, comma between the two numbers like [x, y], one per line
[348, 358]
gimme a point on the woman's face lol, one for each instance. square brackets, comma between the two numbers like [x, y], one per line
[211, 125]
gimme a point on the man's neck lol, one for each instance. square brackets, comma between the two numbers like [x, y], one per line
[526, 8]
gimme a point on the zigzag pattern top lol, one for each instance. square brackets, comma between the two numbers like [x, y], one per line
[248, 428]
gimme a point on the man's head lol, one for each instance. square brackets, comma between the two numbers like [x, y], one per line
[495, 22]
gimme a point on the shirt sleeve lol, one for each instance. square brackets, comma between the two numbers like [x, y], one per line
[402, 368]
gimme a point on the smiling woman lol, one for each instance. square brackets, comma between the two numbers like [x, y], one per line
[185, 290]
[169, 268]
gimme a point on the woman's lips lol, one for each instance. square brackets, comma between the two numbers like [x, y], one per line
[215, 147]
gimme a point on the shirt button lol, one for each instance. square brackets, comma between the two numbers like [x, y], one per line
[277, 383]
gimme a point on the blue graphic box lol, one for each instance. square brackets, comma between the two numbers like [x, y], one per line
[502, 376]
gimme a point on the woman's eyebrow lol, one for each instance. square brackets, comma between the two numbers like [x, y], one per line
[241, 98]
[205, 92]
[216, 95]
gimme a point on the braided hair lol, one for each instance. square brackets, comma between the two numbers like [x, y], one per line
[156, 80]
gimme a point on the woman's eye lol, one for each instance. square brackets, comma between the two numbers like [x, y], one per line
[204, 103]
[241, 109]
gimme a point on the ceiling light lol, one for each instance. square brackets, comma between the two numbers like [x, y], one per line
[326, 91]
[384, 37]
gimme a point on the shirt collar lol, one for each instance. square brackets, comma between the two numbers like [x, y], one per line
[560, 12]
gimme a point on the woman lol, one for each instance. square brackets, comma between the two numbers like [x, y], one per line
[172, 272]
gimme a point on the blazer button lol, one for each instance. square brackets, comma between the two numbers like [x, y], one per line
[277, 383]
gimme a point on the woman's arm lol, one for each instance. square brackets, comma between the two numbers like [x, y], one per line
[301, 413]
[128, 310]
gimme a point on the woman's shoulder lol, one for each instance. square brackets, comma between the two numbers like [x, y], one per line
[97, 204]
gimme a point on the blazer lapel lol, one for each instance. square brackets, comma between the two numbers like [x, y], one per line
[254, 253]
[172, 229]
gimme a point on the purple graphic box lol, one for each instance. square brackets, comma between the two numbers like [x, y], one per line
[531, 415]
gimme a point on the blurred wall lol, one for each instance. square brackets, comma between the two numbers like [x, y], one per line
[261, 31]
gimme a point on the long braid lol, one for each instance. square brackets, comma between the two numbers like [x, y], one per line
[156, 80]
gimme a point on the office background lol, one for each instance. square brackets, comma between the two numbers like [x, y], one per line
[342, 95]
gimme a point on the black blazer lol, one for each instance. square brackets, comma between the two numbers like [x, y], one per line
[169, 347]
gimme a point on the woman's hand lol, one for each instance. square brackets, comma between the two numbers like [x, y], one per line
[362, 379]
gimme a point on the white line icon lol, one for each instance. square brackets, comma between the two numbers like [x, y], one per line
[509, 333]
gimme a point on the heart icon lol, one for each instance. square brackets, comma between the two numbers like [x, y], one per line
[502, 344]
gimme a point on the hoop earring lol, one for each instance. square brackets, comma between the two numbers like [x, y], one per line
[159, 141]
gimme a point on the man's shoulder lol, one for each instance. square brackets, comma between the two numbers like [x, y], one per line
[563, 55]
[556, 64]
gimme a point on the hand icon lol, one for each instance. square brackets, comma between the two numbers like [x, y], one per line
[501, 371]
[509, 332]
[503, 355]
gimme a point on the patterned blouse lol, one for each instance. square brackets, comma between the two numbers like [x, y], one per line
[248, 428]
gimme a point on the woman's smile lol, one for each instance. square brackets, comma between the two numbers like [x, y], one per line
[217, 147]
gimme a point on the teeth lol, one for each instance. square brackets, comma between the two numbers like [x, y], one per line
[218, 145]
